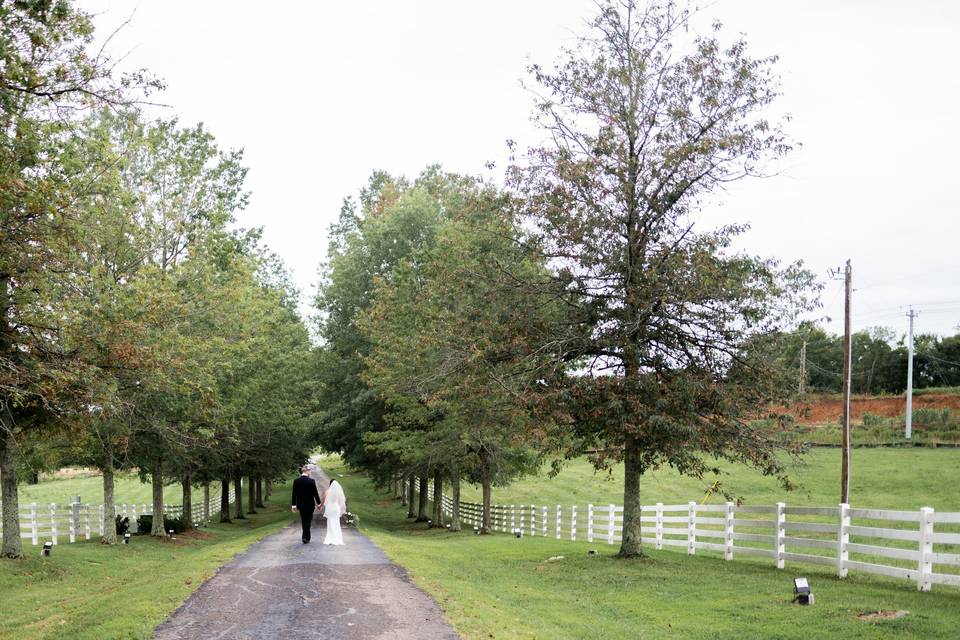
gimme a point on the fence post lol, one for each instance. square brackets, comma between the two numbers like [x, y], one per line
[659, 525]
[86, 521]
[590, 522]
[781, 532]
[559, 520]
[925, 561]
[72, 528]
[513, 520]
[533, 520]
[53, 523]
[691, 528]
[843, 539]
[728, 534]
[100, 517]
[573, 523]
[544, 512]
[610, 524]
[33, 523]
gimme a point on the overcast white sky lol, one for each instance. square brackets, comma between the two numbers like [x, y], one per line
[321, 93]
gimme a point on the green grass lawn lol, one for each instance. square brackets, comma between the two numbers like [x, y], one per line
[95, 592]
[881, 478]
[127, 489]
[501, 587]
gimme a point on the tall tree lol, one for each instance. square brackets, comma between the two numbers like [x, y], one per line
[47, 77]
[643, 130]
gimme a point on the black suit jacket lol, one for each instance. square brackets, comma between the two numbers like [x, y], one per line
[305, 494]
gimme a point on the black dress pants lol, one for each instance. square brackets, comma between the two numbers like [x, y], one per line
[306, 518]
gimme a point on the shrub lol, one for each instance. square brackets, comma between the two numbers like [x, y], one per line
[930, 417]
[145, 523]
[123, 525]
[874, 420]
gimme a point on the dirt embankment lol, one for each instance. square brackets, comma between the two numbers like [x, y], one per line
[829, 409]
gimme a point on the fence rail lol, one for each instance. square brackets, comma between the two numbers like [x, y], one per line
[77, 521]
[922, 546]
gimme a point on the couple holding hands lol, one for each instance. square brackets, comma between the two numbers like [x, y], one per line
[306, 498]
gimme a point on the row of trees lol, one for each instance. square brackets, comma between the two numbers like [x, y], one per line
[138, 330]
[879, 360]
[470, 332]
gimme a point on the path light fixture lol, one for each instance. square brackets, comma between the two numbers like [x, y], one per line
[170, 535]
[801, 591]
[518, 533]
[126, 538]
[476, 530]
[47, 548]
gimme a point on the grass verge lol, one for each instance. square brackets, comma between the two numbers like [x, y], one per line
[501, 587]
[88, 591]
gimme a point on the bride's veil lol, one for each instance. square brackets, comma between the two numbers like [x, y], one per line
[335, 493]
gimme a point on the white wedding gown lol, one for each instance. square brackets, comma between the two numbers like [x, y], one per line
[332, 510]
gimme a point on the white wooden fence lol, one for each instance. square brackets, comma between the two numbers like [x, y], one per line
[922, 546]
[74, 522]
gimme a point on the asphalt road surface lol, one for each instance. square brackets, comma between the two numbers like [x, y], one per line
[283, 589]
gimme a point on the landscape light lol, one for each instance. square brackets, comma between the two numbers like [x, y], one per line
[801, 590]
[47, 548]
[518, 533]
[476, 530]
[126, 538]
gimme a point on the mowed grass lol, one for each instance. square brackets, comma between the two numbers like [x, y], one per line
[500, 587]
[88, 591]
[905, 479]
[127, 489]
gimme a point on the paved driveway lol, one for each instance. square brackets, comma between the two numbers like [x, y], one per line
[284, 589]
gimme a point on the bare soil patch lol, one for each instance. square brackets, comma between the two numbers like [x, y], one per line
[829, 409]
[883, 615]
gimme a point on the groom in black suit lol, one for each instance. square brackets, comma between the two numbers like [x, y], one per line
[305, 499]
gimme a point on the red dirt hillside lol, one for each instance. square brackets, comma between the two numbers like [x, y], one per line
[829, 408]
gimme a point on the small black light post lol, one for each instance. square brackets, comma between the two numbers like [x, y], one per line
[518, 533]
[47, 548]
[170, 535]
[126, 538]
[476, 530]
[801, 591]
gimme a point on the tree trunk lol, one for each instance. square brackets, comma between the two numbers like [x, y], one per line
[109, 506]
[260, 492]
[187, 502]
[437, 499]
[410, 500]
[402, 490]
[251, 495]
[8, 486]
[633, 469]
[206, 502]
[422, 499]
[157, 480]
[225, 499]
[268, 489]
[455, 499]
[486, 476]
[238, 496]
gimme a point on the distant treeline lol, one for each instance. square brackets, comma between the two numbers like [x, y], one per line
[879, 360]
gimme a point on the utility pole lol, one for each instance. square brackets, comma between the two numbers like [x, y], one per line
[803, 365]
[847, 365]
[908, 432]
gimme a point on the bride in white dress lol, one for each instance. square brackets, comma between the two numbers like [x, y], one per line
[334, 505]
